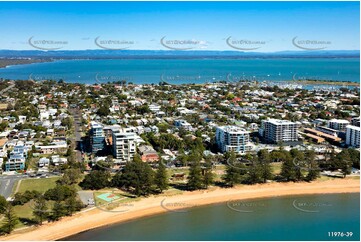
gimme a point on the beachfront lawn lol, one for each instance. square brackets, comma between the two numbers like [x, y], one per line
[173, 171]
[326, 178]
[219, 172]
[38, 184]
[276, 167]
[25, 213]
[171, 192]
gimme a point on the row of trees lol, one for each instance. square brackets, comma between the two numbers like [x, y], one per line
[137, 177]
[55, 203]
[65, 203]
[140, 179]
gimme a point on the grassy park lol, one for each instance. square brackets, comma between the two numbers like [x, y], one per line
[40, 184]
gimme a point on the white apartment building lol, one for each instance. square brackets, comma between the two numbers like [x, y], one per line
[338, 124]
[154, 108]
[275, 130]
[353, 136]
[233, 138]
[124, 145]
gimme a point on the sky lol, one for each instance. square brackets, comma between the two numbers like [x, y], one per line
[246, 26]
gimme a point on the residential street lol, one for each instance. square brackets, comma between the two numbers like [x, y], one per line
[77, 122]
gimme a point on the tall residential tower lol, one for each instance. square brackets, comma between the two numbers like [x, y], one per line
[233, 138]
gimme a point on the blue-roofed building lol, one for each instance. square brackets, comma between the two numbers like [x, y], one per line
[20, 149]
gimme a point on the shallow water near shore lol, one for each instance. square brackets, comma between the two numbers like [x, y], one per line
[311, 217]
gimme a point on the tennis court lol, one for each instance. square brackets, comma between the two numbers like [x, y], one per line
[108, 196]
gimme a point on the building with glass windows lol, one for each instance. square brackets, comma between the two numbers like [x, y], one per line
[233, 138]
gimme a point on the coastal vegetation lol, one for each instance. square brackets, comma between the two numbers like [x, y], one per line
[141, 179]
[22, 61]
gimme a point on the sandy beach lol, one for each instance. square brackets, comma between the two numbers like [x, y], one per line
[96, 217]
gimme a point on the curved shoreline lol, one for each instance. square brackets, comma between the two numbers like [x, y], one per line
[95, 218]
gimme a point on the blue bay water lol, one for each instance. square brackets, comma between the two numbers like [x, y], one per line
[309, 217]
[179, 71]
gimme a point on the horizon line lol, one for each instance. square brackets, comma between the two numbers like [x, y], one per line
[169, 50]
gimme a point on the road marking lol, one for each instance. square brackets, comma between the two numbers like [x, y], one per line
[7, 184]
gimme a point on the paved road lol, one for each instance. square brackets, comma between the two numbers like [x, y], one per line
[7, 184]
[77, 122]
[85, 196]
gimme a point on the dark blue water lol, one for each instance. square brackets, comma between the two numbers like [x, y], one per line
[178, 71]
[283, 218]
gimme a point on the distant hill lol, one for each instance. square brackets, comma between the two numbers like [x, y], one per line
[167, 54]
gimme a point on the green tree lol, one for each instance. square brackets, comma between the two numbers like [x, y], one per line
[67, 122]
[312, 165]
[298, 162]
[72, 204]
[143, 109]
[253, 175]
[40, 209]
[22, 198]
[264, 165]
[195, 176]
[354, 157]
[288, 171]
[10, 219]
[234, 171]
[288, 168]
[103, 110]
[344, 161]
[3, 125]
[71, 176]
[3, 204]
[58, 211]
[137, 177]
[208, 177]
[96, 180]
[59, 193]
[161, 179]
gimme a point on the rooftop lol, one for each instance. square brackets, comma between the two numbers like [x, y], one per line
[232, 129]
[353, 127]
[279, 121]
[340, 121]
[94, 124]
[2, 142]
